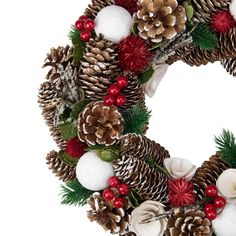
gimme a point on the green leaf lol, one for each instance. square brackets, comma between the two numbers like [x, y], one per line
[203, 37]
[66, 158]
[78, 107]
[134, 198]
[135, 29]
[189, 10]
[146, 75]
[136, 119]
[226, 145]
[150, 161]
[68, 130]
[73, 193]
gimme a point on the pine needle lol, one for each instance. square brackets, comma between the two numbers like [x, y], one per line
[74, 34]
[227, 147]
[136, 119]
[204, 37]
[73, 193]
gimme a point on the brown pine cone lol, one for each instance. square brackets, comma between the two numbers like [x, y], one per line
[160, 19]
[203, 9]
[100, 124]
[59, 168]
[230, 65]
[208, 174]
[147, 181]
[188, 222]
[133, 92]
[99, 68]
[115, 220]
[143, 148]
[96, 6]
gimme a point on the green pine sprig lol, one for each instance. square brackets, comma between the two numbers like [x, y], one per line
[227, 147]
[73, 193]
[204, 37]
[74, 34]
[136, 119]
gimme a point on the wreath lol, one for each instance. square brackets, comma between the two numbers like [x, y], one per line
[93, 101]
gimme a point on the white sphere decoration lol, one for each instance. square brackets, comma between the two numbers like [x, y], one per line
[224, 224]
[92, 172]
[114, 23]
[232, 8]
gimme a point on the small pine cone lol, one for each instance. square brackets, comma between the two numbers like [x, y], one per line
[99, 68]
[188, 222]
[115, 220]
[96, 6]
[155, 26]
[133, 92]
[208, 174]
[59, 168]
[143, 148]
[230, 65]
[203, 9]
[147, 181]
[100, 124]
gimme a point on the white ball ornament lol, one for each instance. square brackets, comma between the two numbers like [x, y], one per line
[114, 23]
[232, 8]
[92, 172]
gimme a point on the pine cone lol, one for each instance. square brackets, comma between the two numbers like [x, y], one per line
[188, 222]
[147, 181]
[133, 92]
[115, 220]
[208, 174]
[143, 148]
[96, 6]
[230, 65]
[98, 68]
[203, 9]
[158, 19]
[59, 168]
[100, 124]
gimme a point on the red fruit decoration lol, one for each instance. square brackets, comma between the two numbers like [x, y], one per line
[114, 90]
[79, 24]
[108, 195]
[109, 100]
[83, 17]
[211, 214]
[134, 54]
[122, 81]
[222, 22]
[85, 35]
[211, 191]
[123, 189]
[75, 148]
[114, 182]
[181, 192]
[89, 25]
[219, 202]
[130, 5]
[208, 207]
[120, 100]
[119, 202]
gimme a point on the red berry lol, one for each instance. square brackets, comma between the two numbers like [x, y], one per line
[211, 191]
[220, 202]
[211, 214]
[89, 25]
[108, 194]
[119, 202]
[85, 35]
[83, 18]
[79, 24]
[114, 90]
[114, 182]
[109, 100]
[123, 189]
[208, 207]
[122, 81]
[120, 100]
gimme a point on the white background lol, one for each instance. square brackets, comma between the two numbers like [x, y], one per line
[191, 105]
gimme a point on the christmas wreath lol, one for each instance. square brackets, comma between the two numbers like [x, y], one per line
[93, 101]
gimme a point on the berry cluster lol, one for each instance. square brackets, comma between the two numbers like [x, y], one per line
[216, 202]
[114, 95]
[85, 25]
[116, 192]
